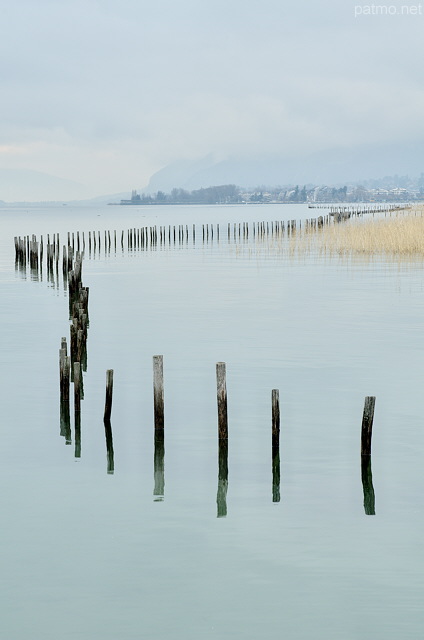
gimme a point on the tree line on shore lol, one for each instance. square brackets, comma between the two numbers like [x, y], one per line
[231, 194]
[222, 194]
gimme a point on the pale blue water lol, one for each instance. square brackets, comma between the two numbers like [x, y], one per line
[89, 555]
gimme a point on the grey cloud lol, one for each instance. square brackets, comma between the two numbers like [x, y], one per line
[149, 84]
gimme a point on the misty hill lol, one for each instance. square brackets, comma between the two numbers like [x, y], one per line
[335, 166]
[32, 186]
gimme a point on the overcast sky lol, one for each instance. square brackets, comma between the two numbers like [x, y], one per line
[106, 93]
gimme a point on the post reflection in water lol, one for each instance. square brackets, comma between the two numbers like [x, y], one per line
[275, 399]
[221, 497]
[159, 465]
[276, 468]
[369, 496]
[78, 435]
[109, 446]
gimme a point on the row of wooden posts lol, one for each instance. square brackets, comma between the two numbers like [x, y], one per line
[340, 214]
[71, 366]
[221, 384]
[222, 415]
[29, 250]
[361, 209]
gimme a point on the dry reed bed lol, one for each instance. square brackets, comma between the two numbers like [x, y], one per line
[400, 234]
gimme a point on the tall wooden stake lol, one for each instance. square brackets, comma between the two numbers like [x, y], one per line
[158, 392]
[367, 420]
[221, 394]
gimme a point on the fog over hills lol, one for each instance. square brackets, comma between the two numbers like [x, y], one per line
[25, 185]
[332, 167]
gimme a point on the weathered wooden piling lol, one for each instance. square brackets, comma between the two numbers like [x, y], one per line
[77, 387]
[64, 263]
[367, 421]
[109, 393]
[65, 423]
[73, 341]
[64, 369]
[70, 258]
[158, 392]
[221, 394]
[275, 401]
[66, 379]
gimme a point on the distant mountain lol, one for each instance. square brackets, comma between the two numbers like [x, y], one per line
[33, 186]
[334, 166]
[185, 174]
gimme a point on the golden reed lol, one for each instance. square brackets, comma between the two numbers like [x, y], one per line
[398, 234]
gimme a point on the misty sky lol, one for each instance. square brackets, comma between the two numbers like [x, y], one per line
[106, 93]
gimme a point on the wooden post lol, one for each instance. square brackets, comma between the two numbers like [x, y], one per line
[275, 397]
[221, 394]
[73, 342]
[66, 379]
[62, 368]
[367, 420]
[79, 345]
[158, 392]
[77, 387]
[65, 420]
[62, 355]
[109, 391]
[64, 263]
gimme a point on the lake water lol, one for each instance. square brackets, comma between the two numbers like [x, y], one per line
[86, 554]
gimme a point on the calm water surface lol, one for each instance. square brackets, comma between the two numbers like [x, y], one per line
[86, 554]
